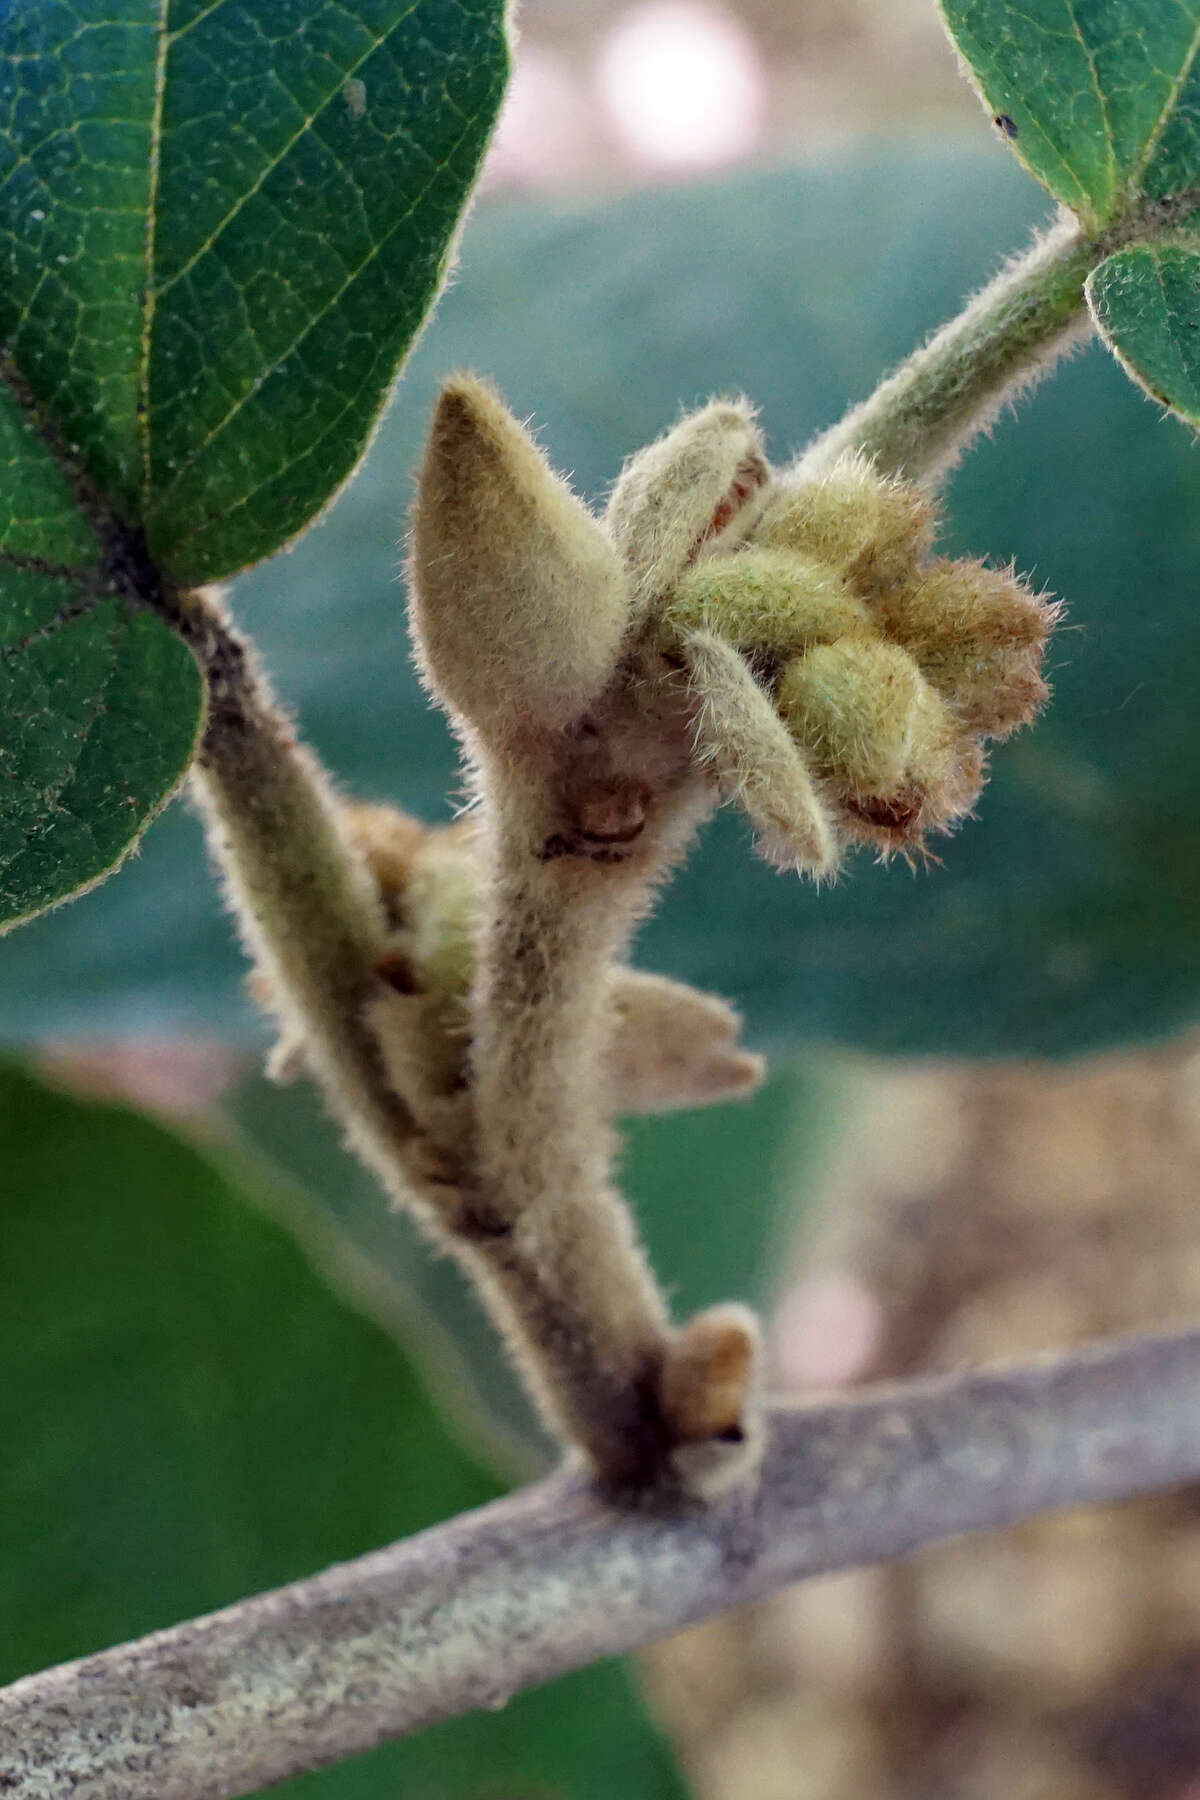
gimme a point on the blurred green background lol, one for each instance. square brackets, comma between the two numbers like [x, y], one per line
[1063, 916]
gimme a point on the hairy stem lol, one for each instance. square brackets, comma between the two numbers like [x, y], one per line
[467, 1614]
[512, 1174]
[592, 1329]
[304, 902]
[312, 919]
[920, 420]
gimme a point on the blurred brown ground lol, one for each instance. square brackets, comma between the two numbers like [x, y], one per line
[979, 1213]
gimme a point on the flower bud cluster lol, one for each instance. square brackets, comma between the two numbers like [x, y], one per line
[887, 667]
[843, 679]
[794, 646]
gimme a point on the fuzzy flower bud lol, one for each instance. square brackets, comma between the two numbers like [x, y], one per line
[702, 481]
[519, 600]
[886, 668]
[873, 531]
[842, 680]
[979, 636]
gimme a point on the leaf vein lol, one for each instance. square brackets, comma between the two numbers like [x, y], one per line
[1101, 96]
[69, 614]
[333, 95]
[148, 304]
[297, 342]
[1168, 108]
[52, 798]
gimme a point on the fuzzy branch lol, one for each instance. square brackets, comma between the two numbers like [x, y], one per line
[920, 420]
[501, 1161]
[471, 1612]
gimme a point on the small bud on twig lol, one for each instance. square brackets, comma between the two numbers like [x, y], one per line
[701, 481]
[788, 645]
[887, 669]
[519, 601]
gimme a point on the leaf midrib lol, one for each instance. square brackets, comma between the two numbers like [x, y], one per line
[245, 399]
[1101, 98]
[1168, 108]
[162, 43]
[155, 291]
[244, 200]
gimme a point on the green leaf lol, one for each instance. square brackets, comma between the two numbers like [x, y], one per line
[76, 158]
[1064, 918]
[1146, 304]
[337, 146]
[220, 229]
[99, 710]
[99, 706]
[191, 1415]
[40, 519]
[1100, 99]
[452, 1339]
[745, 1170]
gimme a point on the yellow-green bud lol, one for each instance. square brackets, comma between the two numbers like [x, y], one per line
[700, 484]
[771, 601]
[872, 530]
[519, 599]
[743, 741]
[871, 725]
[980, 635]
[886, 668]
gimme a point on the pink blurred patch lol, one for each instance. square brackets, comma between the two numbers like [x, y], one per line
[683, 85]
[826, 1332]
[179, 1077]
[547, 135]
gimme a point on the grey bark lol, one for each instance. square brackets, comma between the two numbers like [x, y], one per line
[466, 1614]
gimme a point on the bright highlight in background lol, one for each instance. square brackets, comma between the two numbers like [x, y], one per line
[546, 134]
[683, 85]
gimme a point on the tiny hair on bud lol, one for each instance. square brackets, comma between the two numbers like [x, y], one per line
[519, 601]
[980, 635]
[861, 711]
[741, 739]
[772, 601]
[873, 530]
[700, 485]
